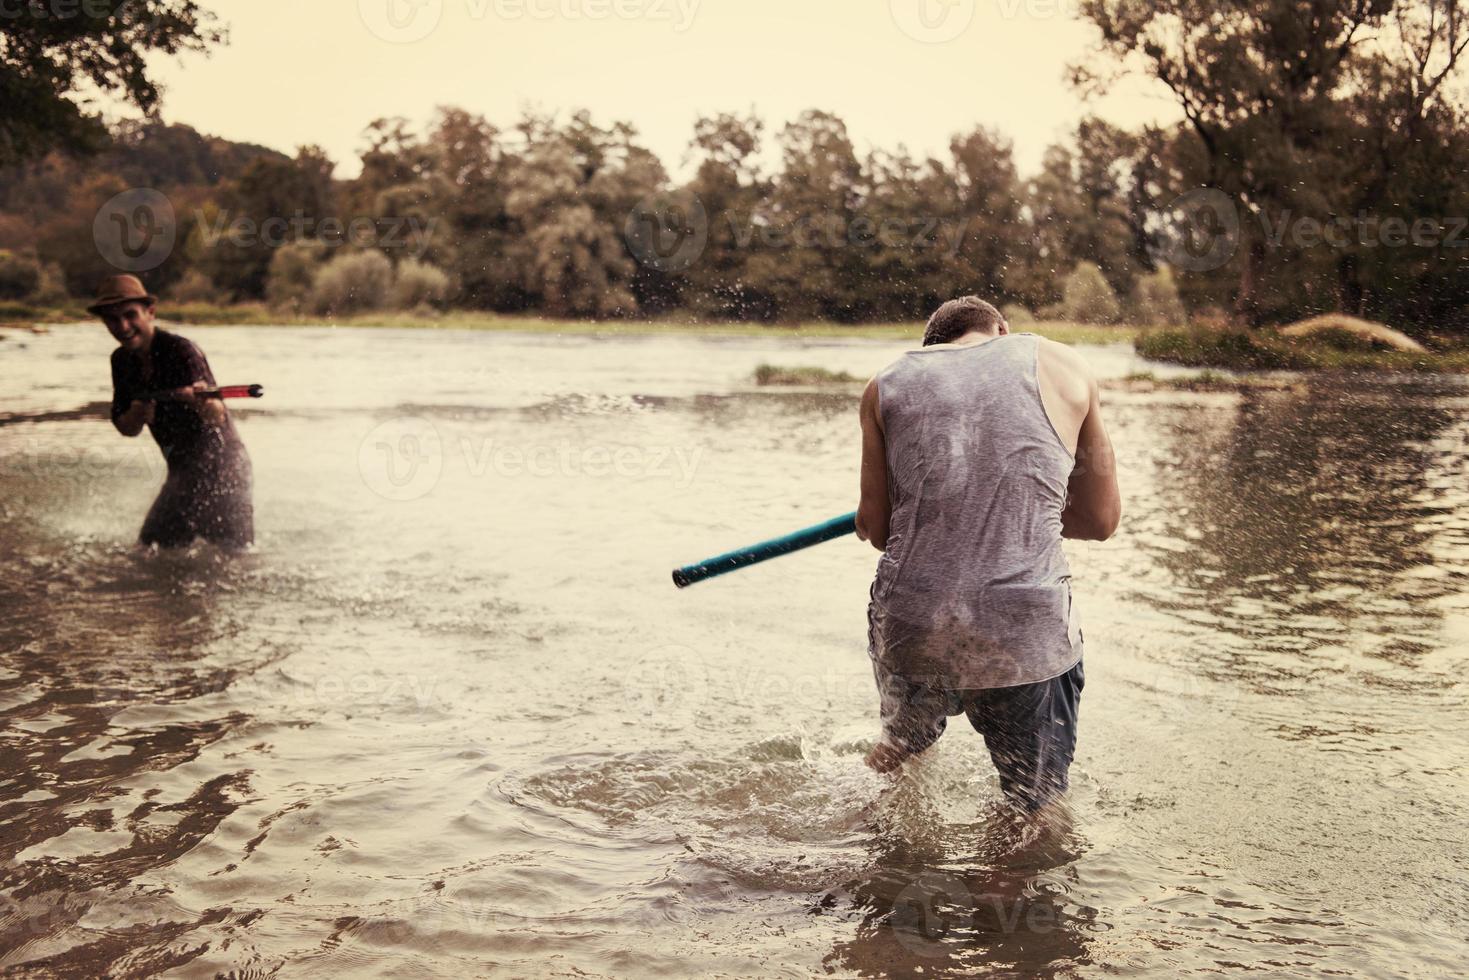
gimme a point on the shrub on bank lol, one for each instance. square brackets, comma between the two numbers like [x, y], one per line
[418, 285]
[1017, 315]
[1255, 350]
[354, 283]
[20, 275]
[1232, 348]
[1155, 301]
[195, 287]
[292, 274]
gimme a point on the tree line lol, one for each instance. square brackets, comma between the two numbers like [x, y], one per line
[1322, 164]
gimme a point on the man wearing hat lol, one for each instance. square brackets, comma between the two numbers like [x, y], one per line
[157, 380]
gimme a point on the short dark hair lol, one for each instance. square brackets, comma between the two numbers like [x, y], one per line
[960, 316]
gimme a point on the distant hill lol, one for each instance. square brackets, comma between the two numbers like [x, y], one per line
[142, 154]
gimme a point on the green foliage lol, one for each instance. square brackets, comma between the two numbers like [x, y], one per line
[20, 276]
[273, 202]
[418, 285]
[770, 374]
[1155, 300]
[1017, 315]
[52, 54]
[292, 274]
[51, 289]
[1266, 350]
[1087, 297]
[194, 287]
[1235, 349]
[535, 218]
[352, 283]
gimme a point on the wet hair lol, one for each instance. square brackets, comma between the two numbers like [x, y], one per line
[960, 316]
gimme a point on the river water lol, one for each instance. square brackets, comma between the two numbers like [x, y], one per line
[450, 718]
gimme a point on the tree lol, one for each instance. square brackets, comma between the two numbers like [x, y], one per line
[352, 283]
[733, 194]
[274, 202]
[292, 274]
[1296, 116]
[418, 285]
[1155, 301]
[572, 191]
[1087, 298]
[20, 275]
[50, 53]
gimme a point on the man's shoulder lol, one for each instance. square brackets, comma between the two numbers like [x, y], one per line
[175, 343]
[1064, 357]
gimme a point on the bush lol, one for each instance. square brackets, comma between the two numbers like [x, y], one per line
[353, 283]
[1237, 349]
[51, 291]
[1155, 301]
[418, 284]
[195, 287]
[1017, 315]
[20, 275]
[292, 273]
[1087, 298]
[1212, 318]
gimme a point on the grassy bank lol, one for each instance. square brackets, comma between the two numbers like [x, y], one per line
[257, 315]
[1256, 350]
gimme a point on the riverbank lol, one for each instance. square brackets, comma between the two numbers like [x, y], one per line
[22, 317]
[1271, 350]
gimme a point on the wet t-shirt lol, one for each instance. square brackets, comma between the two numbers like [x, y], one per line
[171, 362]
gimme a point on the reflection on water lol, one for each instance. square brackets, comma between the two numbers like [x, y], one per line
[1295, 522]
[449, 718]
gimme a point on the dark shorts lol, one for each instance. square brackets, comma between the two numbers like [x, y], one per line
[1029, 730]
[208, 496]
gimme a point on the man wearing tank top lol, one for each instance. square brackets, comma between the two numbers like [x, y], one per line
[980, 453]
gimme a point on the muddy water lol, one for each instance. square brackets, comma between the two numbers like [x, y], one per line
[451, 719]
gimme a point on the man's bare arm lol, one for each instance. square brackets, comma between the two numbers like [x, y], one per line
[133, 421]
[874, 514]
[1094, 501]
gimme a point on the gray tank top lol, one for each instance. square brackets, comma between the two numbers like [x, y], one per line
[974, 590]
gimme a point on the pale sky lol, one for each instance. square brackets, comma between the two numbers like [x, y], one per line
[910, 72]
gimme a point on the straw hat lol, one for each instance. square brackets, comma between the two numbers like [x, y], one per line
[119, 289]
